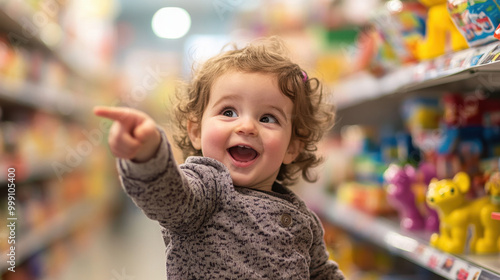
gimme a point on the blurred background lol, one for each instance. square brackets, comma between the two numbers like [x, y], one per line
[60, 198]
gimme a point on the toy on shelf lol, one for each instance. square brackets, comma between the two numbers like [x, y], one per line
[493, 188]
[404, 192]
[402, 25]
[491, 127]
[398, 147]
[421, 118]
[456, 214]
[462, 143]
[373, 53]
[423, 176]
[421, 113]
[448, 162]
[439, 27]
[402, 198]
[367, 197]
[476, 20]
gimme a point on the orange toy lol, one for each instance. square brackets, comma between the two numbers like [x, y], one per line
[439, 27]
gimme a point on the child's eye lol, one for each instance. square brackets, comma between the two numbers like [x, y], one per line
[269, 119]
[231, 113]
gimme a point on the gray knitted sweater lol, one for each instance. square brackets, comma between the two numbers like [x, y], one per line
[215, 230]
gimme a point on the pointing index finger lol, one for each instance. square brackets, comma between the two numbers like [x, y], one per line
[113, 113]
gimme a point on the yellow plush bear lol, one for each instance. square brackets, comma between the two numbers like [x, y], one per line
[440, 30]
[457, 215]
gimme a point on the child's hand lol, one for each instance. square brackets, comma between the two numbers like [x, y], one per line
[133, 134]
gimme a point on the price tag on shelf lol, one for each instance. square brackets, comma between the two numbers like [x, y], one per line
[478, 53]
[491, 54]
[459, 61]
[445, 264]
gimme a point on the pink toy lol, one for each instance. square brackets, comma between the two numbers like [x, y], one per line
[428, 172]
[400, 194]
[401, 197]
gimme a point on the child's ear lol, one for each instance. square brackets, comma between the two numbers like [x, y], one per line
[294, 148]
[194, 133]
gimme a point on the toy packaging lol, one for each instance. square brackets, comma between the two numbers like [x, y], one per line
[476, 19]
[402, 27]
[441, 35]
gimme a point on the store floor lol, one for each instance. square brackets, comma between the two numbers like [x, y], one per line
[127, 248]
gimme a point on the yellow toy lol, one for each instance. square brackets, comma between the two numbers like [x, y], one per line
[457, 215]
[492, 188]
[440, 30]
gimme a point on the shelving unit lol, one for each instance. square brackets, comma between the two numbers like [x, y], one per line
[364, 93]
[413, 246]
[46, 102]
[20, 19]
[380, 99]
[53, 230]
[52, 101]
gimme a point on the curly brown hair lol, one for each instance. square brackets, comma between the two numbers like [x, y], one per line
[312, 117]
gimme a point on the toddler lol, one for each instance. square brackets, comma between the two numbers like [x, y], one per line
[250, 120]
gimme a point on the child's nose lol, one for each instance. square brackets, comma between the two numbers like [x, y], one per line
[247, 126]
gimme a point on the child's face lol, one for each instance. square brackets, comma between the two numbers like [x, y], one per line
[247, 125]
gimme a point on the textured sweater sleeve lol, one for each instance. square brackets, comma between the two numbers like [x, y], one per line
[321, 267]
[177, 198]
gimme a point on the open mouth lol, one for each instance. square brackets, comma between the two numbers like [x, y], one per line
[243, 153]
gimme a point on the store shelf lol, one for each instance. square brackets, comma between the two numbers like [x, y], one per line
[470, 78]
[33, 172]
[18, 34]
[58, 227]
[19, 20]
[61, 103]
[410, 245]
[359, 97]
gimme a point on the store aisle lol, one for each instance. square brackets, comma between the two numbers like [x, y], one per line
[130, 248]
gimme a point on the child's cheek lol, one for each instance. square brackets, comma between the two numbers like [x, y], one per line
[213, 140]
[277, 145]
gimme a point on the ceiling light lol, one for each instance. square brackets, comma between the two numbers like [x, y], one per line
[171, 22]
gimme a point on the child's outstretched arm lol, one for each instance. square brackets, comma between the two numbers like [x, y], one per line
[133, 134]
[180, 198]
